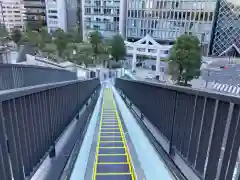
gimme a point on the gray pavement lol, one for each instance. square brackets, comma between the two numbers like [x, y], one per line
[141, 74]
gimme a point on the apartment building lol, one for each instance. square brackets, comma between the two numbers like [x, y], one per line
[226, 36]
[166, 20]
[56, 15]
[35, 13]
[12, 14]
[101, 15]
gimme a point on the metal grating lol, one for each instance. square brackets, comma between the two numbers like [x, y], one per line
[227, 32]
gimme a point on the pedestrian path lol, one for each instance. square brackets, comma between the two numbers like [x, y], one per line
[112, 159]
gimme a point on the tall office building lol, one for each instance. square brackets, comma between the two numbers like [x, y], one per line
[56, 15]
[165, 20]
[35, 13]
[101, 15]
[73, 13]
[226, 39]
[12, 14]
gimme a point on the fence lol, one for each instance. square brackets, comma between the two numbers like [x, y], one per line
[203, 128]
[32, 118]
[16, 75]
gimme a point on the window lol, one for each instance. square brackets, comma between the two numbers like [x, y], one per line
[107, 11]
[97, 3]
[53, 17]
[52, 11]
[19, 27]
[96, 27]
[108, 27]
[87, 19]
[116, 19]
[96, 10]
[88, 10]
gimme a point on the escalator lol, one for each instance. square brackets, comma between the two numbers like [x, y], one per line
[112, 157]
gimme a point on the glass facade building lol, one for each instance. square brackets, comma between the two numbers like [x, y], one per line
[101, 15]
[226, 39]
[165, 20]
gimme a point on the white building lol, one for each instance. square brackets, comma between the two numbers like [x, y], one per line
[101, 15]
[56, 15]
[12, 14]
[166, 20]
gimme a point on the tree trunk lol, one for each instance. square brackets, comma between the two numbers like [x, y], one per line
[180, 73]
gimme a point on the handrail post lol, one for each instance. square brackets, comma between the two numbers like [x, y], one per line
[171, 150]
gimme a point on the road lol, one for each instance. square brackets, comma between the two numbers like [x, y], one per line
[141, 74]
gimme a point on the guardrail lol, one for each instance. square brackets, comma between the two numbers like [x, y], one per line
[202, 128]
[17, 75]
[32, 119]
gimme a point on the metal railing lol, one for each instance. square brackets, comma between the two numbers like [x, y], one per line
[17, 76]
[33, 118]
[201, 127]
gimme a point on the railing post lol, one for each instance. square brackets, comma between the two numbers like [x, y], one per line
[171, 149]
[52, 152]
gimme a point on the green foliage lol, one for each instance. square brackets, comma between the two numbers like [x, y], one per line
[49, 50]
[84, 55]
[46, 37]
[33, 38]
[70, 51]
[186, 56]
[3, 33]
[16, 36]
[113, 65]
[74, 35]
[61, 40]
[96, 41]
[117, 49]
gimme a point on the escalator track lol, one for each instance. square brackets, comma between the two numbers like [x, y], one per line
[112, 157]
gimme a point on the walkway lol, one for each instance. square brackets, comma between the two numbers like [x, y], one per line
[115, 147]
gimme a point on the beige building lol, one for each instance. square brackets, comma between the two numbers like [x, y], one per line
[12, 14]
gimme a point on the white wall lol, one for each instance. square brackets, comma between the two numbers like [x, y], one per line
[31, 60]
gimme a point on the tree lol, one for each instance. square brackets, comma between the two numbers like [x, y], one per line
[186, 55]
[61, 40]
[4, 37]
[34, 38]
[46, 37]
[96, 41]
[117, 48]
[16, 36]
[74, 35]
[69, 51]
[84, 54]
[49, 50]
